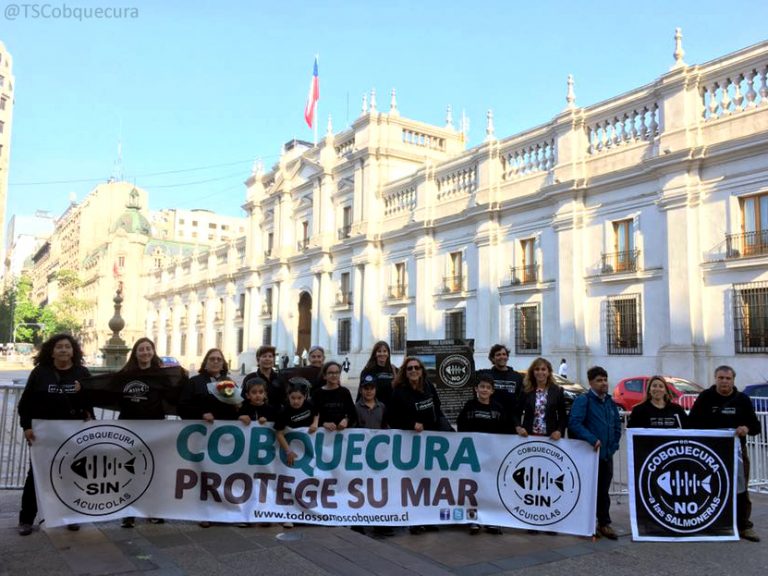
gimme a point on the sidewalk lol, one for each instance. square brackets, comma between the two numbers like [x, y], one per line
[183, 548]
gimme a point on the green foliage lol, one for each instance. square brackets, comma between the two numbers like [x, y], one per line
[35, 323]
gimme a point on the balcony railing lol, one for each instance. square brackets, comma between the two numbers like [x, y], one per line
[345, 231]
[268, 253]
[302, 244]
[343, 298]
[616, 262]
[523, 274]
[453, 284]
[747, 244]
[397, 291]
[266, 310]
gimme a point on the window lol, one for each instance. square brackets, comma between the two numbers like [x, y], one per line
[754, 218]
[398, 289]
[168, 344]
[455, 325]
[397, 334]
[194, 222]
[526, 273]
[3, 103]
[212, 226]
[527, 333]
[266, 336]
[634, 385]
[344, 297]
[454, 282]
[267, 308]
[183, 344]
[2, 126]
[624, 325]
[240, 340]
[241, 305]
[343, 335]
[346, 223]
[200, 341]
[219, 340]
[270, 243]
[121, 261]
[750, 317]
[624, 257]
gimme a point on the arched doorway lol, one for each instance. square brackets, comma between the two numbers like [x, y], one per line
[304, 339]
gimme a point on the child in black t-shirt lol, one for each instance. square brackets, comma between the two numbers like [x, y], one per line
[256, 407]
[483, 414]
[297, 413]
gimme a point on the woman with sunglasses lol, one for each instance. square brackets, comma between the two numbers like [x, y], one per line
[415, 404]
[658, 410]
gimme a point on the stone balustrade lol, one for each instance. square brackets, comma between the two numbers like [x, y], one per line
[423, 139]
[461, 181]
[729, 86]
[523, 158]
[622, 126]
[402, 199]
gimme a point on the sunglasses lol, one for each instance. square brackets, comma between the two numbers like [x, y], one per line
[413, 368]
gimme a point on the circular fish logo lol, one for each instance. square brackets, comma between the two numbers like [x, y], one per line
[684, 486]
[101, 470]
[538, 483]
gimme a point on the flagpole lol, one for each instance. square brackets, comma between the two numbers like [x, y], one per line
[317, 118]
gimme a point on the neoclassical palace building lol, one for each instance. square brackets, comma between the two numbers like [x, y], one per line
[632, 233]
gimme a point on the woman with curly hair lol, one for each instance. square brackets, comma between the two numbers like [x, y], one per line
[53, 392]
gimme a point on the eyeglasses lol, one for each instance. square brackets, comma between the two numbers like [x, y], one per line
[413, 367]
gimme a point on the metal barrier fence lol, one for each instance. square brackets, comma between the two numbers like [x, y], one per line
[14, 453]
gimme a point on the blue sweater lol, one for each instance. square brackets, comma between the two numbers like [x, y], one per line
[593, 419]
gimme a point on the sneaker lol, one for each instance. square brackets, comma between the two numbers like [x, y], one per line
[493, 530]
[73, 527]
[156, 521]
[358, 529]
[474, 529]
[288, 525]
[128, 523]
[25, 529]
[416, 529]
[607, 532]
[204, 524]
[749, 534]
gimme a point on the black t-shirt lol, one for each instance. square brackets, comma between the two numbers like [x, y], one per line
[479, 417]
[50, 395]
[334, 405]
[255, 412]
[142, 394]
[296, 417]
[646, 415]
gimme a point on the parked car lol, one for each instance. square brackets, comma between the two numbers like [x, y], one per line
[758, 393]
[169, 361]
[631, 391]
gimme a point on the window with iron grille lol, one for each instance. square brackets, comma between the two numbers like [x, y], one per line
[343, 335]
[397, 333]
[750, 317]
[624, 325]
[527, 333]
[266, 336]
[455, 325]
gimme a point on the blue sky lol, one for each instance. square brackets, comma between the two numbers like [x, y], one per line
[199, 90]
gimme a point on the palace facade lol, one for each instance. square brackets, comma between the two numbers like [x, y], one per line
[632, 233]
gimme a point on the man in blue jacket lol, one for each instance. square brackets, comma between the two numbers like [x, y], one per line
[595, 419]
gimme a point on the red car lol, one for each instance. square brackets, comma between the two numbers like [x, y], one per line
[631, 391]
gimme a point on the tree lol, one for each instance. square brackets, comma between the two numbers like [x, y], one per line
[26, 314]
[68, 310]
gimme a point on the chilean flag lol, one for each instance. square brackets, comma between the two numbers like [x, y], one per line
[312, 97]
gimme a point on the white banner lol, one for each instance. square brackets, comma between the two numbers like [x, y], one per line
[682, 484]
[228, 472]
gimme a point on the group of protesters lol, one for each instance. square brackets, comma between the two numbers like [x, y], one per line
[505, 402]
